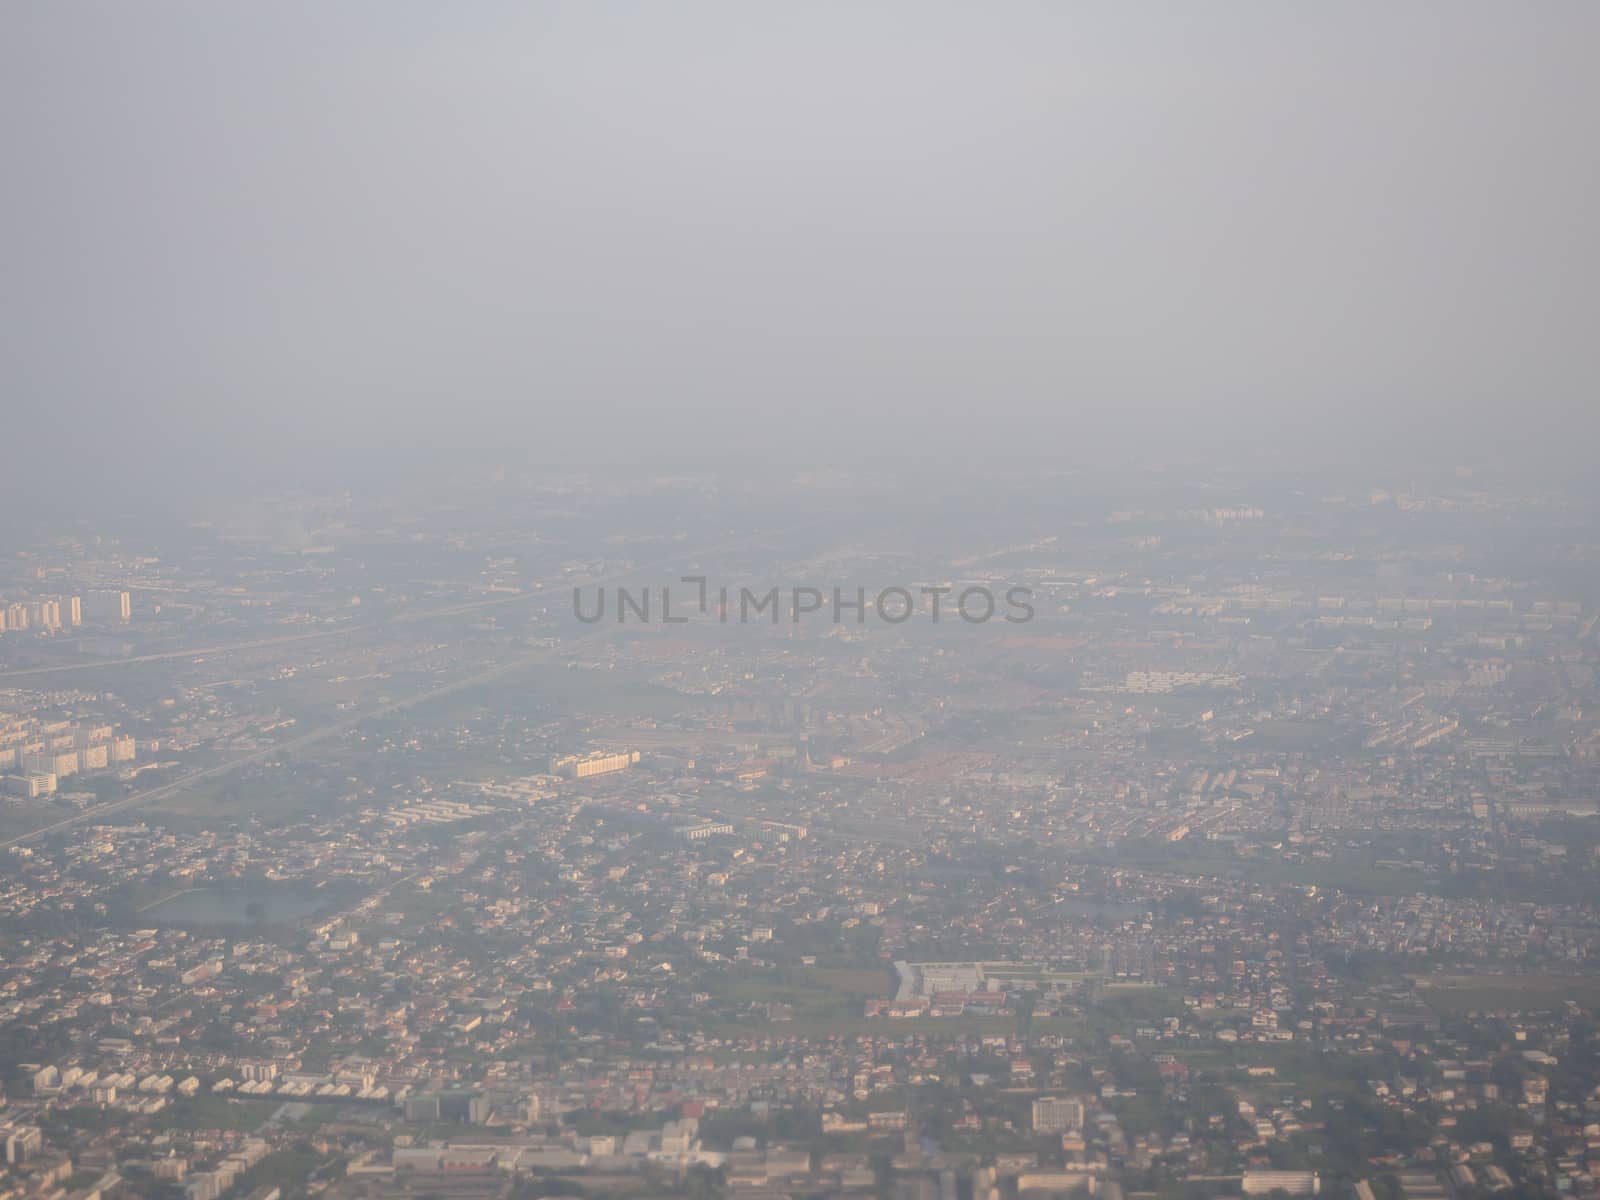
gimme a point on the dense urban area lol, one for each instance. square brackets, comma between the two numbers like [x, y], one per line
[1135, 834]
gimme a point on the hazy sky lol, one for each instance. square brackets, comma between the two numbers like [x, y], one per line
[232, 229]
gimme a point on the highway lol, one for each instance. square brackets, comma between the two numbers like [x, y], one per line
[315, 635]
[377, 624]
[196, 652]
[290, 747]
[336, 729]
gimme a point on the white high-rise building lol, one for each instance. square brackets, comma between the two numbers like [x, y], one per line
[108, 606]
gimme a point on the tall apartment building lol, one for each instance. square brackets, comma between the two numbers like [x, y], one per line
[30, 786]
[37, 754]
[108, 606]
[49, 613]
[51, 762]
[22, 1143]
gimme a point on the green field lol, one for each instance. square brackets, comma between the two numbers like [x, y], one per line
[1453, 995]
[215, 1112]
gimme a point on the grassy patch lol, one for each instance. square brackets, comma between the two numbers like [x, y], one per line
[1457, 994]
[215, 1112]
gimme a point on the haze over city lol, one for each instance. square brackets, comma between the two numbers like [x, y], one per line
[242, 235]
[799, 602]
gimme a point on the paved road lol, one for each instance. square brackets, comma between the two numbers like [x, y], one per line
[317, 635]
[379, 623]
[195, 652]
[294, 745]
